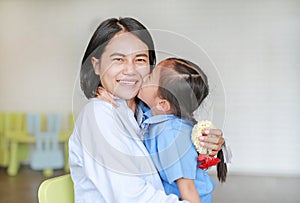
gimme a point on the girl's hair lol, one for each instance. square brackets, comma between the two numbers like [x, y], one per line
[185, 87]
[104, 33]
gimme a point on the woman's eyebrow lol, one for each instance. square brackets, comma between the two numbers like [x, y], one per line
[117, 54]
[141, 55]
[123, 55]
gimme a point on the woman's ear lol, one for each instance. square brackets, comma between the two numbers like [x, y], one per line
[164, 105]
[96, 65]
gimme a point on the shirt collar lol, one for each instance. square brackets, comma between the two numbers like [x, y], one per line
[159, 118]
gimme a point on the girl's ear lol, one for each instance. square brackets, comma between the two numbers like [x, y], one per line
[164, 105]
[96, 65]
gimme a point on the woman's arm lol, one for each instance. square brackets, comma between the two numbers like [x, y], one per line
[112, 164]
[214, 139]
[188, 190]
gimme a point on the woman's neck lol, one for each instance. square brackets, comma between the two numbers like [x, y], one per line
[131, 104]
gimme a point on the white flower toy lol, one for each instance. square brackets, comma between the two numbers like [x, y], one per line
[204, 158]
[197, 133]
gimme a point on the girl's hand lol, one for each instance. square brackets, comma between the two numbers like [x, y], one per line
[212, 141]
[104, 95]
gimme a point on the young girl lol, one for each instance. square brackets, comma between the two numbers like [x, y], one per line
[173, 91]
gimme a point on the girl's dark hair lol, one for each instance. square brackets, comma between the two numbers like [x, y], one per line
[104, 33]
[185, 88]
[184, 85]
[221, 167]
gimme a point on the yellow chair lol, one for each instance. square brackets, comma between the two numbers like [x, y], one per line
[21, 140]
[65, 134]
[57, 190]
[12, 125]
[4, 142]
[18, 136]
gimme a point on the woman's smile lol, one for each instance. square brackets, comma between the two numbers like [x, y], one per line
[127, 82]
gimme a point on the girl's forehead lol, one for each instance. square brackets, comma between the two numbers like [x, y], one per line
[164, 67]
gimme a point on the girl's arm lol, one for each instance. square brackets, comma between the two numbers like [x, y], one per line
[188, 190]
[104, 95]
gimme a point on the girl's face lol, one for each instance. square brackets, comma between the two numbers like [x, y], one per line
[148, 91]
[123, 65]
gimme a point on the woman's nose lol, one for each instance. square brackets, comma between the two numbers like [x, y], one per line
[129, 67]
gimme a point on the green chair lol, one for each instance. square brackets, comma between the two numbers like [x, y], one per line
[57, 190]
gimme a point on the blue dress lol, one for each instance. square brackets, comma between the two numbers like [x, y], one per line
[174, 155]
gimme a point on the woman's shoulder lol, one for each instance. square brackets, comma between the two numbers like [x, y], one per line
[103, 109]
[96, 106]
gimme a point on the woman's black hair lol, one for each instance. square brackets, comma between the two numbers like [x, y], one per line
[89, 81]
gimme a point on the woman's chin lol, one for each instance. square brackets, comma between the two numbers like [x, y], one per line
[127, 95]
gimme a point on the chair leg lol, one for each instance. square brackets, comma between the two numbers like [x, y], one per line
[4, 151]
[13, 166]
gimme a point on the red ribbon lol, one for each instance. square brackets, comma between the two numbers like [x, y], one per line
[207, 161]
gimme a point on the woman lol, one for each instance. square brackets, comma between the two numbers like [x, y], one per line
[108, 160]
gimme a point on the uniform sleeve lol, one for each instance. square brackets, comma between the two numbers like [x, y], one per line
[177, 156]
[113, 161]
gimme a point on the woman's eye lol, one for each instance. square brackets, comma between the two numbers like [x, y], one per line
[117, 59]
[141, 60]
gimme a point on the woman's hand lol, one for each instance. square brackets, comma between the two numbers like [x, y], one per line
[213, 140]
[104, 95]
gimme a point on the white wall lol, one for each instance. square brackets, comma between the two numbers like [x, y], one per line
[255, 46]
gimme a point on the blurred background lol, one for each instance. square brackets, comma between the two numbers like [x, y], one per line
[253, 46]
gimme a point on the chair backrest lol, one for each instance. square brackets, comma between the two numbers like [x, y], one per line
[53, 123]
[14, 123]
[47, 154]
[57, 190]
[33, 123]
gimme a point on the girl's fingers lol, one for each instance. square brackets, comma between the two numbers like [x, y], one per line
[102, 94]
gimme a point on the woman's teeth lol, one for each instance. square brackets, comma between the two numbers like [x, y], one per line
[126, 82]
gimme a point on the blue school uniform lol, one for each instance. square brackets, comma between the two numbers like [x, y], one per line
[174, 155]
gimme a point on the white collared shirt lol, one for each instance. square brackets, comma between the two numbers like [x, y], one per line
[108, 160]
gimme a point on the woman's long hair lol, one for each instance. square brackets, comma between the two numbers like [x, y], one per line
[89, 81]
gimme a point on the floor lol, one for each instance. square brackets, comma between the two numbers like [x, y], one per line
[237, 189]
[23, 187]
[258, 189]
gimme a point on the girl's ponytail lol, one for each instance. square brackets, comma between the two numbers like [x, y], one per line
[221, 167]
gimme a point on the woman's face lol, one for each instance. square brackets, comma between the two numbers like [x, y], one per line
[123, 65]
